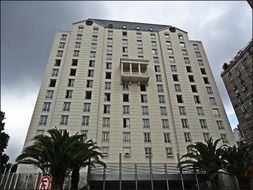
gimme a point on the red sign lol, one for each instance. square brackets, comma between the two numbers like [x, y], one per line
[45, 183]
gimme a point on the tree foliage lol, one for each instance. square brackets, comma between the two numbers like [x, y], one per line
[4, 138]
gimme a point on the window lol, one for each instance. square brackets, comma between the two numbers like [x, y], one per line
[77, 45]
[220, 125]
[138, 35]
[161, 99]
[198, 55]
[80, 28]
[79, 37]
[109, 48]
[147, 138]
[173, 68]
[139, 43]
[154, 51]
[224, 138]
[106, 122]
[62, 44]
[153, 43]
[160, 88]
[108, 75]
[144, 98]
[46, 106]
[59, 53]
[212, 101]
[196, 99]
[88, 95]
[74, 62]
[64, 120]
[105, 136]
[169, 152]
[189, 69]
[109, 65]
[195, 46]
[182, 45]
[105, 151]
[184, 52]
[143, 88]
[107, 108]
[76, 53]
[55, 72]
[107, 97]
[206, 136]
[63, 36]
[72, 72]
[110, 33]
[148, 152]
[125, 42]
[43, 120]
[216, 112]
[95, 29]
[107, 85]
[86, 107]
[163, 110]
[127, 151]
[203, 123]
[200, 111]
[57, 62]
[182, 110]
[203, 71]
[159, 78]
[109, 40]
[187, 137]
[144, 110]
[125, 97]
[126, 122]
[200, 62]
[157, 68]
[124, 49]
[186, 60]
[126, 137]
[49, 94]
[156, 59]
[166, 137]
[69, 93]
[177, 87]
[93, 45]
[168, 43]
[180, 36]
[124, 33]
[191, 78]
[92, 54]
[172, 59]
[179, 99]
[209, 90]
[146, 123]
[152, 35]
[175, 77]
[52, 83]
[165, 123]
[166, 35]
[71, 82]
[85, 120]
[92, 63]
[170, 51]
[94, 38]
[185, 123]
[140, 50]
[194, 88]
[125, 87]
[66, 106]
[126, 109]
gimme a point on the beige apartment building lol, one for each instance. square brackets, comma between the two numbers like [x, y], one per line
[133, 88]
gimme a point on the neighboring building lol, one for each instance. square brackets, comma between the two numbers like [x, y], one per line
[238, 137]
[133, 88]
[237, 77]
[250, 3]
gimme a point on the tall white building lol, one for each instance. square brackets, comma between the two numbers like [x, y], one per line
[133, 88]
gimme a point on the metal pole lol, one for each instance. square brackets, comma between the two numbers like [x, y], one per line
[26, 183]
[196, 177]
[120, 171]
[181, 174]
[16, 181]
[3, 176]
[166, 176]
[104, 177]
[136, 177]
[8, 175]
[151, 172]
[11, 181]
[36, 180]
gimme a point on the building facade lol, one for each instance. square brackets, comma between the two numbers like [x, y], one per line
[133, 88]
[238, 77]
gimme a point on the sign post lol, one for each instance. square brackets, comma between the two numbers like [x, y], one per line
[45, 183]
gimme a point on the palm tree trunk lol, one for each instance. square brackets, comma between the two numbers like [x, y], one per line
[57, 182]
[75, 178]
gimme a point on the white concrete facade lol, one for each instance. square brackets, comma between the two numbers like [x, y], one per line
[162, 52]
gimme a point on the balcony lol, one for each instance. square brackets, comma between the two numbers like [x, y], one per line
[134, 70]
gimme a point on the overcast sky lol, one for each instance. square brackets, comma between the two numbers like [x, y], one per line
[28, 28]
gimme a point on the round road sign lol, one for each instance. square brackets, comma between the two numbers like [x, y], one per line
[45, 183]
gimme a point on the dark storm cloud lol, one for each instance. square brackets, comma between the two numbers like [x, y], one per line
[27, 32]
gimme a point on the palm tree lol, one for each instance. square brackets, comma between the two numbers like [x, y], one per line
[239, 162]
[205, 156]
[52, 153]
[86, 154]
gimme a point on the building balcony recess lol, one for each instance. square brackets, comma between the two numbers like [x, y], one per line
[134, 70]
